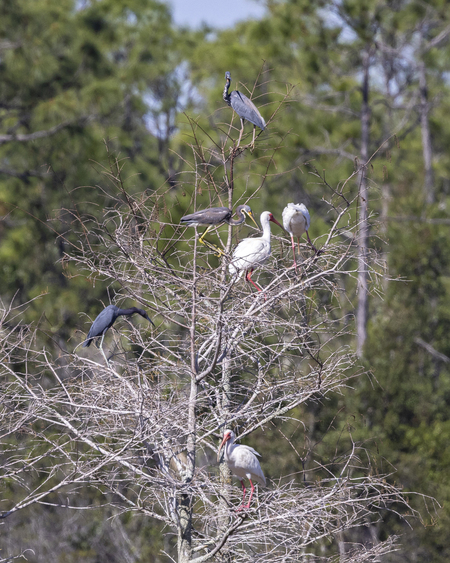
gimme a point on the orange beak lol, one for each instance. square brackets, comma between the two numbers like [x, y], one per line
[272, 218]
[225, 439]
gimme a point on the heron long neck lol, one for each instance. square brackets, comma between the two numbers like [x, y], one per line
[240, 219]
[226, 95]
[129, 311]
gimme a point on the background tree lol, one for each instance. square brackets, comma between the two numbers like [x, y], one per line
[72, 76]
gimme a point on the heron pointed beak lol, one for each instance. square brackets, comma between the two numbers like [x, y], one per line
[250, 214]
[149, 319]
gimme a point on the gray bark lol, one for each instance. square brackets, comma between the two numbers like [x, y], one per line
[427, 149]
[184, 542]
[363, 235]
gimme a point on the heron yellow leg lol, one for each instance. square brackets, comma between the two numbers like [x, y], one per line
[240, 133]
[210, 245]
[252, 146]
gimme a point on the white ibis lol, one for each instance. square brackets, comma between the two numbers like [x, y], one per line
[296, 221]
[106, 319]
[242, 462]
[215, 216]
[251, 253]
[244, 107]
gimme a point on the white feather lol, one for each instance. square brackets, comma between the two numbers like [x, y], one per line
[296, 219]
[251, 253]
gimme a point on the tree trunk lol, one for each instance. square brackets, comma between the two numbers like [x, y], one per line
[427, 148]
[185, 505]
[362, 288]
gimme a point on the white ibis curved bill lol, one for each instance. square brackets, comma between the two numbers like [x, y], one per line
[243, 463]
[296, 221]
[244, 107]
[214, 217]
[106, 319]
[251, 253]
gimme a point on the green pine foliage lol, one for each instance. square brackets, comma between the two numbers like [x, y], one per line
[100, 79]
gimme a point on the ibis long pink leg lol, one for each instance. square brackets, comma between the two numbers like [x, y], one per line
[248, 277]
[251, 495]
[243, 498]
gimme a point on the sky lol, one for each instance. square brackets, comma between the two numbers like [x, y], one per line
[216, 14]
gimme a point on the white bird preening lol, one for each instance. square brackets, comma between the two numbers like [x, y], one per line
[296, 221]
[251, 253]
[243, 463]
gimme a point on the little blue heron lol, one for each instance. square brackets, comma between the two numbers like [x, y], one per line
[244, 107]
[251, 253]
[296, 221]
[242, 461]
[215, 216]
[106, 319]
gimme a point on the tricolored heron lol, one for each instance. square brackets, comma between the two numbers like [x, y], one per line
[106, 319]
[242, 461]
[296, 221]
[215, 216]
[244, 107]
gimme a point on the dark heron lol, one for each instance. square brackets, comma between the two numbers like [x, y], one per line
[244, 107]
[106, 319]
[215, 216]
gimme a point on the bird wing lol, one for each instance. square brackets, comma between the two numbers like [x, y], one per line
[103, 321]
[287, 214]
[250, 252]
[300, 208]
[250, 449]
[246, 109]
[246, 460]
[211, 216]
[306, 214]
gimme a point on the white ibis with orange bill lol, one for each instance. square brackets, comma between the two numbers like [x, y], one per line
[243, 463]
[296, 221]
[251, 253]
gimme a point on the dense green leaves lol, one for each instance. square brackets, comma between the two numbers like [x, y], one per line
[83, 82]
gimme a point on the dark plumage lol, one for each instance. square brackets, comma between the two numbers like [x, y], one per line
[106, 319]
[215, 216]
[244, 107]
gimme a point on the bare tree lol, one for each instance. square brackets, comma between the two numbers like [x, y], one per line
[141, 418]
[363, 235]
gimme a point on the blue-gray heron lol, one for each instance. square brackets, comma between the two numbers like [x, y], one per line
[106, 319]
[296, 221]
[214, 217]
[251, 253]
[244, 107]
